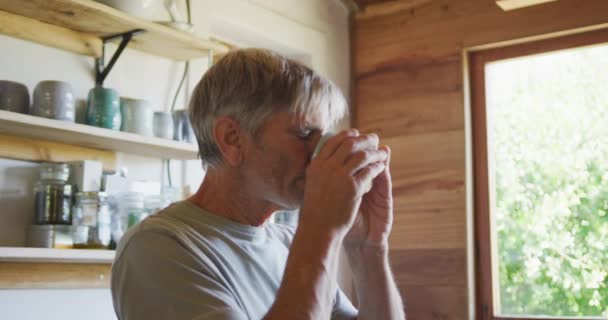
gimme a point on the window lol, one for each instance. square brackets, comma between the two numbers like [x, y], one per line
[540, 154]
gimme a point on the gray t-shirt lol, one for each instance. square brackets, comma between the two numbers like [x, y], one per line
[186, 263]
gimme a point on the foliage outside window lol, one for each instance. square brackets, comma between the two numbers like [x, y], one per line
[547, 121]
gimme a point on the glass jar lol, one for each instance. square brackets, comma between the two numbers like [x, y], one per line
[152, 204]
[117, 225]
[91, 221]
[128, 209]
[132, 208]
[53, 195]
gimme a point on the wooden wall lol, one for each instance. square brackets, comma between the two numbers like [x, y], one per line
[409, 88]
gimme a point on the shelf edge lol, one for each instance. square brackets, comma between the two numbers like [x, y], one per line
[46, 255]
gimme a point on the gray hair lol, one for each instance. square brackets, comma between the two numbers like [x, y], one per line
[250, 85]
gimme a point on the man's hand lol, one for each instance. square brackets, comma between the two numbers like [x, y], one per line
[375, 219]
[336, 179]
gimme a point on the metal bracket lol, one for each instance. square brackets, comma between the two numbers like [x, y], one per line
[102, 72]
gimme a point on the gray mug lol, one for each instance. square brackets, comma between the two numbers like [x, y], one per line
[163, 125]
[14, 97]
[53, 100]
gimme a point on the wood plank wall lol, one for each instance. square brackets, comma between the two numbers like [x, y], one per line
[409, 88]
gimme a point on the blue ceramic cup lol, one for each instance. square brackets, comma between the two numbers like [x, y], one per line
[103, 108]
[182, 129]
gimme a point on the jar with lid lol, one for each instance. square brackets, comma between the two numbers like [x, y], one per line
[53, 195]
[129, 210]
[91, 221]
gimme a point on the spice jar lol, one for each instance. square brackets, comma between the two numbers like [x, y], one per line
[53, 195]
[91, 221]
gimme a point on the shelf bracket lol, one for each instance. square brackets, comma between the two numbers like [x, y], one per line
[101, 71]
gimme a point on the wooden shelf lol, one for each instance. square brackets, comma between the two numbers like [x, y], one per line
[44, 255]
[23, 125]
[77, 25]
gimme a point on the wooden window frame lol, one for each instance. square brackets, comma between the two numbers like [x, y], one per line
[483, 234]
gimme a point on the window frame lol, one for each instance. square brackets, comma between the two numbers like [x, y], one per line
[486, 276]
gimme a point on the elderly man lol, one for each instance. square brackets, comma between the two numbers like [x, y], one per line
[257, 118]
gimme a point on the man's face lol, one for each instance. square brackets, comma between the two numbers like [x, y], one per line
[276, 159]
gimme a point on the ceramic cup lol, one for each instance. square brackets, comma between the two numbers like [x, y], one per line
[182, 128]
[54, 100]
[14, 97]
[103, 108]
[368, 185]
[145, 9]
[136, 116]
[163, 125]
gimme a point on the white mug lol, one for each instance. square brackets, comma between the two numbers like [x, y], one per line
[145, 9]
[137, 116]
[367, 187]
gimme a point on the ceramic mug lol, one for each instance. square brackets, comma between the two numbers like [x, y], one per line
[163, 125]
[182, 128]
[54, 100]
[145, 9]
[136, 116]
[14, 97]
[366, 187]
[103, 108]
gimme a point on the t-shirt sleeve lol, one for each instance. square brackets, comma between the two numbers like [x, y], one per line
[154, 278]
[343, 308]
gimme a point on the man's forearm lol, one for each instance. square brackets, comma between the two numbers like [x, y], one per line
[376, 289]
[309, 282]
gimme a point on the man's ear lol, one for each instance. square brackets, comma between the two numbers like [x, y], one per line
[228, 137]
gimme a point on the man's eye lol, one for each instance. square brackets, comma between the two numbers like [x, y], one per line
[304, 134]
